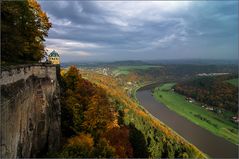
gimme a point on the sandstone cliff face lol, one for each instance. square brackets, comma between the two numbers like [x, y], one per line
[30, 111]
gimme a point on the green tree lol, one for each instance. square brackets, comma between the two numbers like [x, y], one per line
[103, 149]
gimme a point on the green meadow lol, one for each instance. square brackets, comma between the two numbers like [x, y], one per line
[127, 69]
[233, 81]
[217, 124]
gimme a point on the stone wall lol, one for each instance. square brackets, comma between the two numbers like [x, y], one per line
[16, 73]
[30, 110]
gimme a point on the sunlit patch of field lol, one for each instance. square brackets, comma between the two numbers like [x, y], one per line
[233, 81]
[124, 70]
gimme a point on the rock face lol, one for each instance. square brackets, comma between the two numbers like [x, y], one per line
[30, 111]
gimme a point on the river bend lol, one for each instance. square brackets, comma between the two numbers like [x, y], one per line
[204, 140]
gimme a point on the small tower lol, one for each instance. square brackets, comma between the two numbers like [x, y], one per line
[54, 58]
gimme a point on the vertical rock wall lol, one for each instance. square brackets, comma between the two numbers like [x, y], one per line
[30, 112]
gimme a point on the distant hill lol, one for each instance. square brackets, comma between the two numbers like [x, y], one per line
[195, 62]
[153, 62]
[105, 64]
[128, 62]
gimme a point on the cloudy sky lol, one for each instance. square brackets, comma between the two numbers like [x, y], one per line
[107, 30]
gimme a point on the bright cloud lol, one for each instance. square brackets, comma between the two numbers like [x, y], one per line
[58, 43]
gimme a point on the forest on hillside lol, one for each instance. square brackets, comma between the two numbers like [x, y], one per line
[175, 72]
[213, 91]
[99, 120]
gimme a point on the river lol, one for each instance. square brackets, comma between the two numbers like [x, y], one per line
[204, 140]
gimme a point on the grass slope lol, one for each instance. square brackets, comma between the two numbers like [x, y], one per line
[200, 116]
[127, 69]
[160, 139]
[233, 81]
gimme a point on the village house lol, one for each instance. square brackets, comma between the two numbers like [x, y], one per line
[189, 99]
[209, 108]
[235, 119]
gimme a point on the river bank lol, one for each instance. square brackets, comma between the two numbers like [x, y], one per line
[217, 124]
[210, 144]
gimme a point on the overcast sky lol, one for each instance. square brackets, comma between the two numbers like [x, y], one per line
[106, 30]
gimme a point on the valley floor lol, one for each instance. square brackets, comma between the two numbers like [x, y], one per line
[194, 112]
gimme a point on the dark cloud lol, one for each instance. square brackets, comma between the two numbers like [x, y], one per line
[78, 12]
[94, 30]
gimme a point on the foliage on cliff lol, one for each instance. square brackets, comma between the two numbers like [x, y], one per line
[90, 121]
[100, 120]
[23, 28]
[148, 137]
[213, 91]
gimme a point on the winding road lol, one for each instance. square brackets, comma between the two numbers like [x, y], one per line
[204, 140]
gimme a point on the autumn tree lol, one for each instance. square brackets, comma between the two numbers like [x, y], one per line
[79, 146]
[99, 115]
[23, 28]
[72, 106]
[71, 78]
[103, 149]
[119, 137]
[86, 106]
